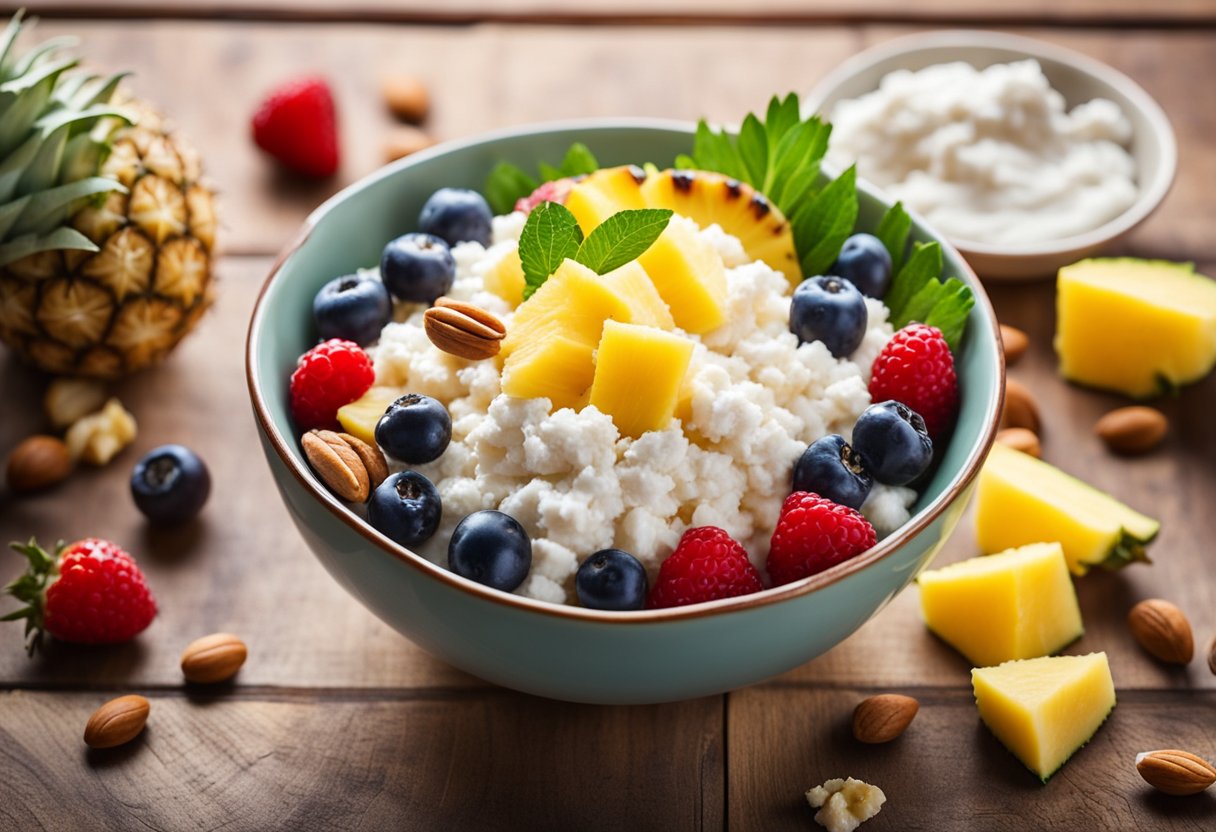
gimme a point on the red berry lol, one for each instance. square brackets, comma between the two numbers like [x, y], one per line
[554, 191]
[917, 369]
[707, 565]
[327, 377]
[814, 534]
[91, 592]
[298, 126]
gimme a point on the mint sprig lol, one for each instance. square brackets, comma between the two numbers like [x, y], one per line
[552, 234]
[918, 294]
[508, 183]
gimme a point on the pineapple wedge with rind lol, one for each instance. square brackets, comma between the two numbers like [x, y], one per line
[359, 418]
[606, 192]
[639, 371]
[690, 277]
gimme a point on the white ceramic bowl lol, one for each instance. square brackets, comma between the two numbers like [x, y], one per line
[1078, 78]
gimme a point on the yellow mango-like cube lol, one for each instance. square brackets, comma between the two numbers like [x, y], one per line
[1018, 604]
[690, 277]
[505, 278]
[359, 418]
[631, 282]
[638, 374]
[556, 367]
[1044, 710]
[573, 300]
[606, 192]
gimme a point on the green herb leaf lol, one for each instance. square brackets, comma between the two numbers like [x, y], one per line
[579, 160]
[753, 148]
[917, 294]
[893, 230]
[550, 236]
[622, 237]
[950, 310]
[824, 223]
[506, 184]
[548, 173]
[924, 265]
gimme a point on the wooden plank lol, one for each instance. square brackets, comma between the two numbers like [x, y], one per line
[487, 761]
[597, 71]
[949, 773]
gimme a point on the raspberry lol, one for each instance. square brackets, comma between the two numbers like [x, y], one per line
[814, 534]
[916, 369]
[707, 565]
[297, 125]
[327, 377]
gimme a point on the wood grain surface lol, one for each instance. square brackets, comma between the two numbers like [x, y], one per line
[338, 722]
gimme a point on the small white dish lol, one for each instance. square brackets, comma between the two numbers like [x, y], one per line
[1078, 78]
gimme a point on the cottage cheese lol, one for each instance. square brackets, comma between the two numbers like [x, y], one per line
[990, 156]
[578, 486]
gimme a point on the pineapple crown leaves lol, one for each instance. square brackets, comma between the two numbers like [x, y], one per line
[30, 588]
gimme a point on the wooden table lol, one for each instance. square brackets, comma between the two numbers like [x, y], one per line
[337, 722]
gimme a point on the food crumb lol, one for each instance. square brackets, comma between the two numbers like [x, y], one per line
[845, 804]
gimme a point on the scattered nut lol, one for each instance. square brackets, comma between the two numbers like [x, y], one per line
[337, 464]
[68, 400]
[463, 329]
[1020, 408]
[1021, 439]
[845, 804]
[38, 462]
[97, 438]
[403, 141]
[884, 717]
[406, 97]
[1175, 772]
[1162, 630]
[1015, 343]
[117, 722]
[372, 458]
[213, 658]
[1132, 430]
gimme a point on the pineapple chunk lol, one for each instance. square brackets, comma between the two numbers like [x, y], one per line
[506, 278]
[555, 367]
[688, 272]
[1018, 604]
[574, 300]
[359, 418]
[1024, 500]
[1043, 710]
[604, 193]
[632, 282]
[638, 374]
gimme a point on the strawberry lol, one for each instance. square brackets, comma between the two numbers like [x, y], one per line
[916, 368]
[298, 126]
[328, 376]
[91, 592]
[814, 534]
[707, 565]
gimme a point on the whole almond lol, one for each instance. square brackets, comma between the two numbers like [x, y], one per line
[1162, 630]
[1015, 343]
[117, 722]
[1020, 411]
[1132, 430]
[213, 658]
[337, 464]
[406, 96]
[38, 462]
[463, 329]
[1021, 439]
[884, 717]
[372, 458]
[1175, 772]
[404, 140]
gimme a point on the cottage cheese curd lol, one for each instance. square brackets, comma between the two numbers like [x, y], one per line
[578, 486]
[989, 155]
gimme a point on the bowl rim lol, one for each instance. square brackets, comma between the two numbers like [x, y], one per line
[304, 477]
[1150, 194]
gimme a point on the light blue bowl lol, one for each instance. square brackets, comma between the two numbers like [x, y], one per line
[568, 652]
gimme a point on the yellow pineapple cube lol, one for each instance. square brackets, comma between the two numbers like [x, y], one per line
[639, 371]
[575, 301]
[688, 272]
[604, 193]
[555, 367]
[506, 278]
[359, 418]
[632, 282]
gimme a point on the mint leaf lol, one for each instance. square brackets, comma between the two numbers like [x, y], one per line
[924, 265]
[548, 173]
[715, 151]
[550, 236]
[506, 184]
[917, 294]
[753, 148]
[893, 230]
[579, 160]
[950, 311]
[622, 237]
[824, 223]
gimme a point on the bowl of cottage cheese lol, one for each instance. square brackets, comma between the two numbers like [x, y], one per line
[577, 481]
[1025, 155]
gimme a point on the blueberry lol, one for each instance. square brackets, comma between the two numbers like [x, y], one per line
[415, 429]
[865, 262]
[893, 443]
[491, 548]
[170, 484]
[611, 580]
[417, 268]
[406, 507]
[456, 215]
[831, 310]
[831, 469]
[355, 307]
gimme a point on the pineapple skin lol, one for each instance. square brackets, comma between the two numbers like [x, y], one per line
[125, 307]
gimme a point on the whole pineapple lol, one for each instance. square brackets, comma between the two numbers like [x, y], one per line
[106, 233]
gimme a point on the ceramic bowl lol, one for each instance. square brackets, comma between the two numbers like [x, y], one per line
[566, 652]
[1078, 78]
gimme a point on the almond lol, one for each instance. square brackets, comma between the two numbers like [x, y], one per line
[1162, 630]
[38, 462]
[372, 458]
[1020, 408]
[213, 658]
[463, 329]
[403, 141]
[884, 717]
[1132, 430]
[337, 464]
[406, 96]
[117, 722]
[1175, 772]
[1015, 343]
[1021, 439]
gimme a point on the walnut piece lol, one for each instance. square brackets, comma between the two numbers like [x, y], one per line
[845, 804]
